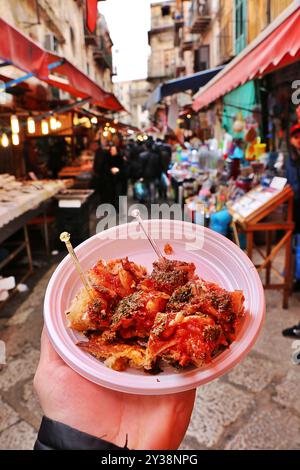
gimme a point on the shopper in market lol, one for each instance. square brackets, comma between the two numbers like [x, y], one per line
[151, 169]
[57, 155]
[101, 173]
[80, 415]
[30, 153]
[135, 167]
[165, 153]
[293, 177]
[118, 174]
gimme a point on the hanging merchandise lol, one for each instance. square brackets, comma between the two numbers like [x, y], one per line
[250, 151]
[239, 124]
[259, 147]
[250, 135]
[241, 105]
[227, 143]
[255, 149]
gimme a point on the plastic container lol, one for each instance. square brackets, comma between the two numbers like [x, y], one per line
[216, 258]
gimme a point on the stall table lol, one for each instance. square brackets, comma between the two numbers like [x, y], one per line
[82, 174]
[74, 209]
[20, 202]
[249, 216]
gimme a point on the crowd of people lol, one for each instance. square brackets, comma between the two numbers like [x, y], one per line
[143, 164]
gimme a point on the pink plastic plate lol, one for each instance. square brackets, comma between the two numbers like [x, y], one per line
[216, 258]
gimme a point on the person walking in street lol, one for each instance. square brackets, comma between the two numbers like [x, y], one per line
[152, 169]
[101, 173]
[135, 167]
[118, 175]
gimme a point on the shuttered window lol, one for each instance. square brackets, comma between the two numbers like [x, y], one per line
[240, 25]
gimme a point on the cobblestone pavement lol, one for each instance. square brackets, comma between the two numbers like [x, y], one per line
[255, 406]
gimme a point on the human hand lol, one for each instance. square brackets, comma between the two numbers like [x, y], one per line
[149, 422]
[114, 170]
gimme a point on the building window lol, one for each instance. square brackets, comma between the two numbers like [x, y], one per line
[72, 39]
[201, 58]
[51, 42]
[169, 62]
[240, 25]
[165, 10]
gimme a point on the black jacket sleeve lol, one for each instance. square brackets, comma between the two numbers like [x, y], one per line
[53, 435]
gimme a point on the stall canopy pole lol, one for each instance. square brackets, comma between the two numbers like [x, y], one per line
[16, 81]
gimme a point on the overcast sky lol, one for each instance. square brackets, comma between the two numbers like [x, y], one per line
[128, 22]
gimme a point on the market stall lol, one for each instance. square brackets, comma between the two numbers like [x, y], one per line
[249, 202]
[251, 214]
[21, 202]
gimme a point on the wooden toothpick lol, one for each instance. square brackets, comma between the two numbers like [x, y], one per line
[65, 237]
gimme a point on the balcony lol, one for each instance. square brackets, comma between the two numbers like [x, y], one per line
[90, 39]
[180, 70]
[159, 72]
[178, 25]
[103, 58]
[178, 22]
[200, 16]
[187, 46]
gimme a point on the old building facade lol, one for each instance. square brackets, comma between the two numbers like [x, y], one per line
[133, 95]
[217, 30]
[206, 33]
[164, 56]
[60, 27]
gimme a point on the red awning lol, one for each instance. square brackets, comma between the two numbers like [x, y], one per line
[267, 53]
[27, 55]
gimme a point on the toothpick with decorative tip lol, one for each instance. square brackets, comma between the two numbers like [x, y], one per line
[136, 214]
[65, 237]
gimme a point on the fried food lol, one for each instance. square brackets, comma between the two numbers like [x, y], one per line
[167, 275]
[120, 275]
[86, 313]
[135, 319]
[225, 307]
[110, 282]
[117, 355]
[184, 340]
[135, 314]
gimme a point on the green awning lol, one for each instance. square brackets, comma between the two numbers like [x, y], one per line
[241, 100]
